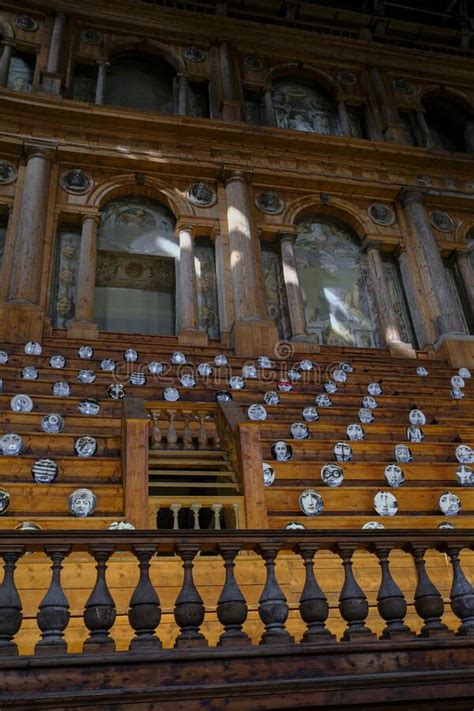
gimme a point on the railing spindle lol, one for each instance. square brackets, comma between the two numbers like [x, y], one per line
[171, 435]
[53, 615]
[144, 614]
[202, 434]
[11, 615]
[462, 594]
[391, 601]
[273, 609]
[156, 435]
[99, 613]
[314, 608]
[189, 608]
[428, 601]
[353, 603]
[231, 606]
[187, 433]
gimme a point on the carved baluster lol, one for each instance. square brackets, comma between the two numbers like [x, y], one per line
[353, 604]
[144, 614]
[175, 509]
[99, 613]
[195, 508]
[10, 604]
[216, 509]
[314, 608]
[272, 609]
[215, 432]
[391, 601]
[462, 594]
[428, 601]
[53, 615]
[156, 437]
[189, 609]
[231, 606]
[202, 434]
[172, 435]
[187, 433]
[235, 509]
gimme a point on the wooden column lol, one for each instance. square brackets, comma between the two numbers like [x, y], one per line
[343, 118]
[435, 283]
[250, 461]
[391, 121]
[102, 67]
[135, 428]
[424, 328]
[83, 326]
[292, 287]
[424, 128]
[231, 96]
[8, 46]
[463, 264]
[189, 331]
[253, 332]
[51, 78]
[269, 108]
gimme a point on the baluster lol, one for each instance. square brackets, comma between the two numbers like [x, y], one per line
[215, 432]
[314, 608]
[202, 434]
[53, 615]
[144, 614]
[11, 614]
[172, 435]
[189, 609]
[99, 613]
[272, 609]
[462, 594]
[428, 601]
[187, 433]
[216, 509]
[231, 606]
[156, 437]
[235, 509]
[391, 601]
[353, 604]
[195, 508]
[175, 509]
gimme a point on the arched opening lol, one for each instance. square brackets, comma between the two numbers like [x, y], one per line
[139, 81]
[137, 253]
[450, 126]
[303, 105]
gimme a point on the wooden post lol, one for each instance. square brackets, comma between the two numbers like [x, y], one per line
[135, 427]
[250, 461]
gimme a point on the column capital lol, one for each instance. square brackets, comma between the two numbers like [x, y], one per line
[8, 42]
[409, 195]
[94, 216]
[42, 149]
[103, 63]
[287, 237]
[369, 243]
[185, 224]
[230, 175]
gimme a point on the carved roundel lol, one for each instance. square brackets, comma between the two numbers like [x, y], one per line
[8, 172]
[346, 77]
[441, 221]
[255, 64]
[75, 181]
[269, 202]
[91, 37]
[381, 214]
[402, 86]
[26, 23]
[194, 54]
[201, 194]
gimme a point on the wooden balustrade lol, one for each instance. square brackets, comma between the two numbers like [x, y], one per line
[190, 612]
[183, 426]
[225, 512]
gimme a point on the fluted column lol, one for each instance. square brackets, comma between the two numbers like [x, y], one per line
[386, 311]
[231, 100]
[102, 67]
[52, 82]
[8, 46]
[466, 273]
[292, 287]
[25, 276]
[188, 302]
[437, 289]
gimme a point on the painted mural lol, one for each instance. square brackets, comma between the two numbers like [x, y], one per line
[303, 106]
[275, 290]
[399, 302]
[65, 275]
[206, 281]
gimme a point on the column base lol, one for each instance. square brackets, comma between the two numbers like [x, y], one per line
[254, 338]
[231, 110]
[52, 83]
[400, 349]
[83, 329]
[192, 337]
[457, 349]
[21, 322]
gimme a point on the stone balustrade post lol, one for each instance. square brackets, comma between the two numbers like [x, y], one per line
[437, 290]
[292, 287]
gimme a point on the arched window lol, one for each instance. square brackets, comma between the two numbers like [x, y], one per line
[136, 268]
[304, 106]
[140, 82]
[451, 128]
